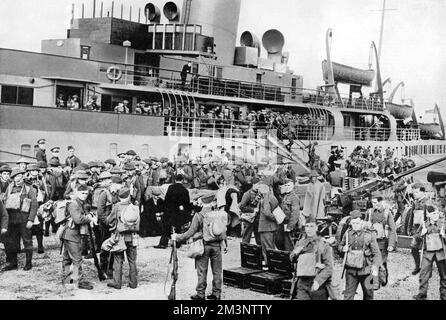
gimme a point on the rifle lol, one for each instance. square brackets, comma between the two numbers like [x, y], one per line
[174, 263]
[345, 256]
[101, 274]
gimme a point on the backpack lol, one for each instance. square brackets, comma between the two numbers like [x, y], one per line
[96, 193]
[60, 212]
[215, 226]
[123, 225]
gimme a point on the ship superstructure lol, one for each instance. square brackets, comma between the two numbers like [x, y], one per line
[116, 59]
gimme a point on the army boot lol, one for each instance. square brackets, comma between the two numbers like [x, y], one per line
[11, 261]
[28, 263]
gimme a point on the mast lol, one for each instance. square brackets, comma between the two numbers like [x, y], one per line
[381, 35]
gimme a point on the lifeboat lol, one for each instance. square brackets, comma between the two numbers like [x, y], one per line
[399, 111]
[350, 75]
[432, 130]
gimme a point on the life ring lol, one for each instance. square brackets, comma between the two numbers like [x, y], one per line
[114, 73]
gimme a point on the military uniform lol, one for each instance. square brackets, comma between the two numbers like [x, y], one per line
[18, 220]
[71, 238]
[315, 269]
[420, 207]
[434, 250]
[250, 217]
[382, 223]
[364, 241]
[291, 207]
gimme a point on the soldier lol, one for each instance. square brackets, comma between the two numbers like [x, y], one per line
[124, 214]
[315, 265]
[291, 207]
[71, 238]
[21, 204]
[267, 222]
[337, 176]
[94, 170]
[314, 204]
[107, 198]
[213, 242]
[22, 163]
[55, 152]
[152, 215]
[109, 164]
[35, 180]
[249, 207]
[5, 175]
[363, 257]
[72, 161]
[419, 216]
[40, 154]
[432, 236]
[382, 223]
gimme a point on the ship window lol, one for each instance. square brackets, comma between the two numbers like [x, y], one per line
[25, 149]
[85, 52]
[17, 95]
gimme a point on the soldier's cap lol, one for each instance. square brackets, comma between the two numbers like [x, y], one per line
[42, 164]
[131, 153]
[54, 149]
[41, 141]
[54, 162]
[129, 166]
[116, 170]
[164, 160]
[70, 148]
[5, 168]
[147, 161]
[314, 174]
[105, 175]
[111, 161]
[116, 180]
[22, 160]
[356, 214]
[32, 167]
[82, 187]
[101, 164]
[208, 198]
[17, 171]
[81, 174]
[124, 193]
[121, 154]
[84, 166]
[93, 164]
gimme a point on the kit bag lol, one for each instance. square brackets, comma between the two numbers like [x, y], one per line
[355, 258]
[124, 224]
[279, 215]
[195, 249]
[214, 225]
[306, 265]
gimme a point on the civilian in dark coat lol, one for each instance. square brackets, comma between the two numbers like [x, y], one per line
[150, 227]
[177, 209]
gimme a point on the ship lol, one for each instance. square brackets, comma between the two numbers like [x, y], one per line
[116, 58]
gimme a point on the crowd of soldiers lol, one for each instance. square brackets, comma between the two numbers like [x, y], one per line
[102, 208]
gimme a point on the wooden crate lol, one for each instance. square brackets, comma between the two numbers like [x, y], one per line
[239, 277]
